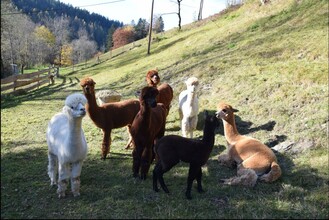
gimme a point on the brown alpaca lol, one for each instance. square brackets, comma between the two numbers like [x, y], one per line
[147, 127]
[109, 115]
[165, 95]
[253, 159]
[165, 91]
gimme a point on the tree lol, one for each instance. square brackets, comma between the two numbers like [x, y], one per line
[141, 29]
[16, 38]
[109, 43]
[83, 48]
[66, 55]
[45, 49]
[158, 26]
[43, 33]
[60, 28]
[123, 36]
[179, 16]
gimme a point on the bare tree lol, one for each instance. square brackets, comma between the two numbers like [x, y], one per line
[16, 38]
[158, 26]
[60, 28]
[179, 16]
[83, 48]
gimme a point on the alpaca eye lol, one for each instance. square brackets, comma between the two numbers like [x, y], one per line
[72, 107]
[224, 110]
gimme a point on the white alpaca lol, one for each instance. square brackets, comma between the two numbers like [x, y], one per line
[189, 107]
[67, 146]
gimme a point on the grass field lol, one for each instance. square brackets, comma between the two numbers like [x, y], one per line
[270, 62]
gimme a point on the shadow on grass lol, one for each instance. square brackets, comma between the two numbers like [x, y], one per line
[295, 184]
[109, 185]
[43, 93]
[243, 127]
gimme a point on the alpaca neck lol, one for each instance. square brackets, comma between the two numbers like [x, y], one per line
[230, 131]
[208, 135]
[93, 109]
[92, 104]
[75, 132]
[145, 110]
[190, 97]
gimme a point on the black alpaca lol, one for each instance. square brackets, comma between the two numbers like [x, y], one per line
[171, 149]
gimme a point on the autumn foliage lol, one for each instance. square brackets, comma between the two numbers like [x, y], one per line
[123, 36]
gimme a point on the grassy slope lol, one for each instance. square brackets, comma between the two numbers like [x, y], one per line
[270, 62]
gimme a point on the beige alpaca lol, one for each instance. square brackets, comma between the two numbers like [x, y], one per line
[254, 159]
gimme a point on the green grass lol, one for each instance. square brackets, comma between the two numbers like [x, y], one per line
[270, 62]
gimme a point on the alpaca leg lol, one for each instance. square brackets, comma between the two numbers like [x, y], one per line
[198, 179]
[52, 168]
[63, 176]
[193, 124]
[137, 154]
[192, 173]
[245, 177]
[146, 160]
[190, 134]
[62, 186]
[184, 127]
[157, 168]
[273, 175]
[160, 172]
[226, 160]
[75, 186]
[130, 141]
[75, 178]
[106, 143]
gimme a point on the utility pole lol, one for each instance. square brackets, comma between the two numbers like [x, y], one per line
[150, 30]
[200, 11]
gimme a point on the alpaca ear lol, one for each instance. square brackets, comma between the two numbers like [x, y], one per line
[66, 109]
[205, 114]
[235, 110]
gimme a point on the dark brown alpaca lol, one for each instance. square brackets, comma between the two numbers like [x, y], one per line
[147, 127]
[165, 91]
[165, 95]
[109, 115]
[172, 149]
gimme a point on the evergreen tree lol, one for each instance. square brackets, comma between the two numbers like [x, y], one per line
[141, 29]
[158, 25]
[109, 43]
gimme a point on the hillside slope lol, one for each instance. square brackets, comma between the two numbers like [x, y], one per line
[270, 62]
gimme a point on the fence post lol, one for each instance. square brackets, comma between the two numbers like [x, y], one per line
[15, 82]
[57, 71]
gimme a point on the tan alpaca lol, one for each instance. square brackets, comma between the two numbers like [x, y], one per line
[254, 159]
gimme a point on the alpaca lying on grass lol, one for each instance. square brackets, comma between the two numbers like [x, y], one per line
[189, 107]
[109, 115]
[253, 158]
[147, 127]
[67, 146]
[165, 91]
[173, 148]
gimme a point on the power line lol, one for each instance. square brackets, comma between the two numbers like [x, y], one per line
[59, 9]
[104, 3]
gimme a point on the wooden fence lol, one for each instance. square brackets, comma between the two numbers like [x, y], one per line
[29, 81]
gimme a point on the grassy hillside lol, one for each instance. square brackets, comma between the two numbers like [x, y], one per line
[270, 62]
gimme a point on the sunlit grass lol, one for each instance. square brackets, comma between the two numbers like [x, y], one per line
[269, 62]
